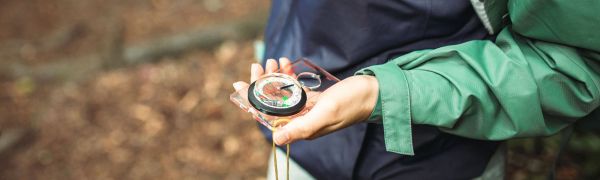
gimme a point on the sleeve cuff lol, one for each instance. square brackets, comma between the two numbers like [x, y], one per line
[395, 106]
[375, 116]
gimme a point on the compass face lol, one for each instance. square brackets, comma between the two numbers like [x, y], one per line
[277, 94]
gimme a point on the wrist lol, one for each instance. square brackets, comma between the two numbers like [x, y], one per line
[370, 88]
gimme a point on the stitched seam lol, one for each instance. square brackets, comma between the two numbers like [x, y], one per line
[384, 119]
[410, 142]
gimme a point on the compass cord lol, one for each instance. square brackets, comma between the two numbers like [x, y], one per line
[287, 153]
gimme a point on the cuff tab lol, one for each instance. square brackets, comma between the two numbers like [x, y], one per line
[395, 106]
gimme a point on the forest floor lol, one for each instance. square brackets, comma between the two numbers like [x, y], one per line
[165, 120]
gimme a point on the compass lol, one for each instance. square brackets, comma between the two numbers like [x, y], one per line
[277, 94]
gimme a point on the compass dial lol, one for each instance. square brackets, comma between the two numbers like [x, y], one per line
[277, 94]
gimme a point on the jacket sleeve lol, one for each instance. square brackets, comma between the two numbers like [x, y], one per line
[535, 79]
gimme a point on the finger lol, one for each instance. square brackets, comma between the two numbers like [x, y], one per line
[242, 89]
[286, 66]
[271, 66]
[240, 85]
[256, 71]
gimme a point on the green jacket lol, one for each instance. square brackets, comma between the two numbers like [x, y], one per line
[540, 75]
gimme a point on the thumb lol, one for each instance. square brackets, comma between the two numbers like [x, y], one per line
[281, 136]
[302, 127]
[320, 120]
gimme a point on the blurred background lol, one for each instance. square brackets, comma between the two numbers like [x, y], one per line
[138, 89]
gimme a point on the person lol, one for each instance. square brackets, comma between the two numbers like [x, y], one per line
[431, 88]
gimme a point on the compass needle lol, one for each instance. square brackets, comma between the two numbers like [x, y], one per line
[286, 86]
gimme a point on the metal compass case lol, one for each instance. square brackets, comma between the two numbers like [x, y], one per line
[278, 97]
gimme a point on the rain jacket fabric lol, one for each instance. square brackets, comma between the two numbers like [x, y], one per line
[540, 75]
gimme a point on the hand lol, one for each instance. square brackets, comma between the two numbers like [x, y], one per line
[348, 102]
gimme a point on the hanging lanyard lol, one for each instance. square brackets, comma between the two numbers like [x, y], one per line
[287, 152]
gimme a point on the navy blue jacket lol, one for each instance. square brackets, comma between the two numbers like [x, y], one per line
[345, 36]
